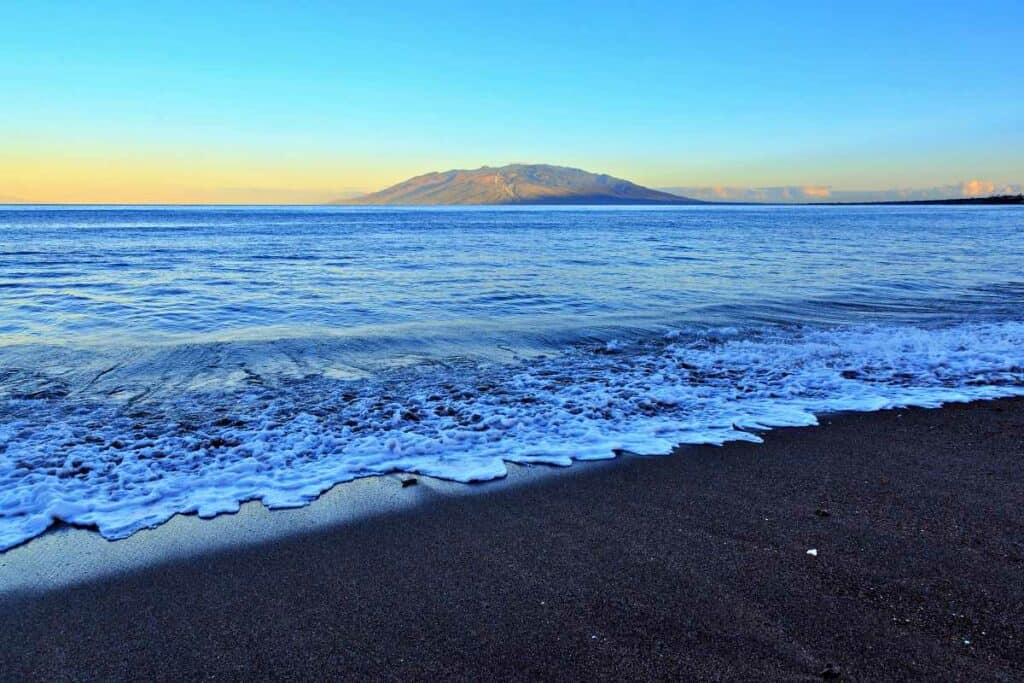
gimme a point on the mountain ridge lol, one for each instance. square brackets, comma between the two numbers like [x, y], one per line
[516, 184]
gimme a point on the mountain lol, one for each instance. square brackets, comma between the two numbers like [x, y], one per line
[517, 184]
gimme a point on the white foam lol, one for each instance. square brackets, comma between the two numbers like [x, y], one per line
[122, 466]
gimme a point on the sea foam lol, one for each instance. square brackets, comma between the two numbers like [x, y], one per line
[123, 463]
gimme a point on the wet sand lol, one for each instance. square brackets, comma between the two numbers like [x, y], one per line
[693, 566]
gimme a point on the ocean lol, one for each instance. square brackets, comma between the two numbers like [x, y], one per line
[165, 360]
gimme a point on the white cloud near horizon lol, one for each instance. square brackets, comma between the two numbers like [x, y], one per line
[825, 193]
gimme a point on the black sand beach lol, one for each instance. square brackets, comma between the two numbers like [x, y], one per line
[688, 567]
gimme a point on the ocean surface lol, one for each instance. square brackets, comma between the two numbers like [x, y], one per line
[167, 360]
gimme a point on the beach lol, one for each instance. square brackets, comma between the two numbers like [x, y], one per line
[689, 566]
[595, 342]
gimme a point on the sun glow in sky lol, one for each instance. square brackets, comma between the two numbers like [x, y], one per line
[302, 102]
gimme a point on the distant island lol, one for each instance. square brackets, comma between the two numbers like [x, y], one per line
[517, 184]
[996, 199]
[547, 184]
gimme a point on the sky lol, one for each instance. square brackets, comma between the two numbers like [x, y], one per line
[303, 102]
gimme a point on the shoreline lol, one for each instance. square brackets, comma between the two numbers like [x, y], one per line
[693, 565]
[67, 554]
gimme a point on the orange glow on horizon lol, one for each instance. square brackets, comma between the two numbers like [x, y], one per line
[156, 178]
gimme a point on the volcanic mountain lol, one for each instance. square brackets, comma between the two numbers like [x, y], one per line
[517, 184]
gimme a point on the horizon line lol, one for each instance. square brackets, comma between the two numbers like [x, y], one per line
[699, 203]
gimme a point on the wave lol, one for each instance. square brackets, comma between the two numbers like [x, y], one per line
[118, 458]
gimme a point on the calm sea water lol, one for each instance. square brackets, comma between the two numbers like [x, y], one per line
[164, 360]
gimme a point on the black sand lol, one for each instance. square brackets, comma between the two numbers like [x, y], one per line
[691, 567]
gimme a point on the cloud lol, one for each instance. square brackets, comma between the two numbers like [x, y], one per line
[977, 188]
[825, 193]
[822, 191]
[792, 193]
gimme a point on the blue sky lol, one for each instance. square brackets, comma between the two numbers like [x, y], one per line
[214, 98]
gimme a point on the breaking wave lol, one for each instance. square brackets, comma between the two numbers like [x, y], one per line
[97, 453]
